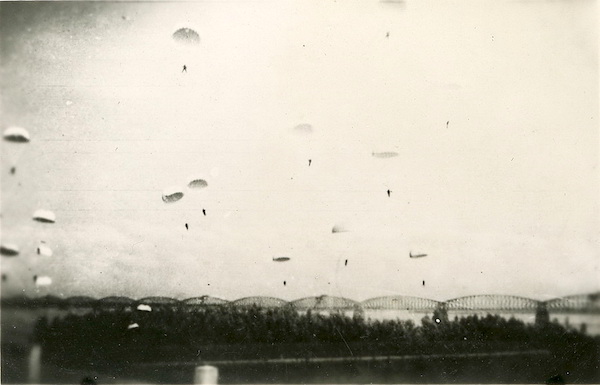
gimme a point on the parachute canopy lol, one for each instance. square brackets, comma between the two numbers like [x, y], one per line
[303, 128]
[16, 134]
[9, 250]
[45, 216]
[186, 36]
[339, 229]
[416, 255]
[44, 250]
[42, 280]
[172, 194]
[281, 259]
[197, 183]
[133, 326]
[143, 307]
[387, 154]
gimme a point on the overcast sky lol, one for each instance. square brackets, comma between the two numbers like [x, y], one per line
[504, 199]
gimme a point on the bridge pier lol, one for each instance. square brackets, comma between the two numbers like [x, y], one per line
[542, 317]
[440, 312]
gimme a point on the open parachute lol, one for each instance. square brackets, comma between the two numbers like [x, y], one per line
[303, 128]
[133, 326]
[44, 216]
[44, 250]
[42, 280]
[143, 307]
[16, 135]
[172, 194]
[9, 250]
[197, 183]
[186, 36]
[386, 154]
[339, 229]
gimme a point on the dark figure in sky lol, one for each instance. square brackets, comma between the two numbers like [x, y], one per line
[186, 226]
[447, 123]
[346, 263]
[309, 162]
[184, 68]
[283, 283]
[388, 192]
[423, 283]
[204, 212]
[387, 34]
[13, 170]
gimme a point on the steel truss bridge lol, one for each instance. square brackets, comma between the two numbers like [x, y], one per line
[583, 303]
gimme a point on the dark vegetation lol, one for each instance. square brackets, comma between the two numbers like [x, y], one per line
[102, 338]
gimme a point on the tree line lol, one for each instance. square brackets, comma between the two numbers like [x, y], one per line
[112, 337]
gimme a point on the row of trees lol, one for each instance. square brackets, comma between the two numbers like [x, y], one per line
[109, 336]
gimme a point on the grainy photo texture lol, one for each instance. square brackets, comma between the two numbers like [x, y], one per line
[300, 191]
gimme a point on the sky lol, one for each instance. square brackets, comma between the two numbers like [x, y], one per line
[492, 107]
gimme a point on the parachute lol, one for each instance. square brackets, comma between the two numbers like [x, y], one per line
[387, 154]
[44, 250]
[281, 259]
[186, 36]
[197, 183]
[339, 229]
[44, 216]
[133, 326]
[42, 281]
[143, 307]
[9, 250]
[171, 195]
[304, 128]
[16, 134]
[416, 255]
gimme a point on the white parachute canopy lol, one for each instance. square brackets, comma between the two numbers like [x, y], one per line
[303, 128]
[133, 326]
[44, 216]
[16, 135]
[143, 307]
[9, 249]
[42, 280]
[44, 250]
[172, 194]
[386, 154]
[416, 255]
[338, 228]
[197, 183]
[186, 36]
